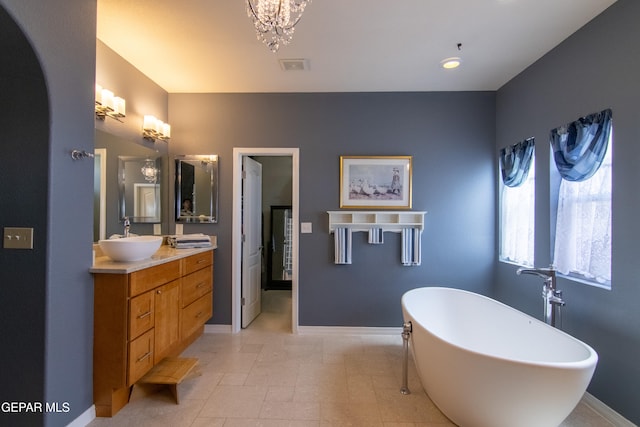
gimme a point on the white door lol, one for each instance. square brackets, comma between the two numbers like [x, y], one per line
[251, 239]
[146, 202]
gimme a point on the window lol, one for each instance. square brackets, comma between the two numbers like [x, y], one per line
[582, 151]
[582, 247]
[517, 203]
[517, 209]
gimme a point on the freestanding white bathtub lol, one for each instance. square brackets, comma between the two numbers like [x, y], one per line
[485, 364]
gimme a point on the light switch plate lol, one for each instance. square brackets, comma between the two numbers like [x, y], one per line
[18, 238]
[306, 227]
[178, 229]
[157, 229]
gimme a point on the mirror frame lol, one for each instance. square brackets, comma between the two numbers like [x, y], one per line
[100, 194]
[208, 159]
[122, 160]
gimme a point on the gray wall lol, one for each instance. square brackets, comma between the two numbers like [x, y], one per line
[46, 297]
[143, 96]
[596, 68]
[451, 138]
[276, 187]
[21, 80]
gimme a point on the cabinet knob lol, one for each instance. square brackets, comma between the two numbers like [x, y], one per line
[158, 292]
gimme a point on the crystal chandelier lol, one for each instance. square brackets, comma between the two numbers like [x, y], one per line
[150, 171]
[275, 20]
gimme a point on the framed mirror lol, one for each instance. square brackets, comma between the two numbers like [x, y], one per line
[197, 188]
[139, 181]
[109, 147]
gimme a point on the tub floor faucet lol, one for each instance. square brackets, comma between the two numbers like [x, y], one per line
[550, 294]
[406, 335]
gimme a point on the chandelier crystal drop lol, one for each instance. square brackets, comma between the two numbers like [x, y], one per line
[275, 20]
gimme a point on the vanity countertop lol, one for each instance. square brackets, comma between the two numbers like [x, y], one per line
[166, 253]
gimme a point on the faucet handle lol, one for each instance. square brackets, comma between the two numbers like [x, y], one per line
[556, 298]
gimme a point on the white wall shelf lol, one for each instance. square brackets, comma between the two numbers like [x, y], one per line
[393, 221]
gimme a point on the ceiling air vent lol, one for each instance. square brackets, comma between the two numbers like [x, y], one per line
[294, 64]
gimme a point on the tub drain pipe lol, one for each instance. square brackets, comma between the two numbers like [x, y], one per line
[406, 334]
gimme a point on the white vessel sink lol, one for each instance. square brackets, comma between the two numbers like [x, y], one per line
[130, 248]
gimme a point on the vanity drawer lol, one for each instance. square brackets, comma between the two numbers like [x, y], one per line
[140, 356]
[149, 278]
[197, 261]
[196, 284]
[141, 314]
[196, 314]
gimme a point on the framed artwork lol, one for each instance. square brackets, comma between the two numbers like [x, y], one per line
[375, 182]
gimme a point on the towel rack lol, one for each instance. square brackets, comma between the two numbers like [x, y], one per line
[393, 221]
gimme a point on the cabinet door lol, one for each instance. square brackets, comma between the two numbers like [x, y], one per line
[197, 261]
[196, 284]
[140, 357]
[141, 317]
[148, 278]
[167, 319]
[196, 314]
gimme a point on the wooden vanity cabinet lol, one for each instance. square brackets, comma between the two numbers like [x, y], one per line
[142, 317]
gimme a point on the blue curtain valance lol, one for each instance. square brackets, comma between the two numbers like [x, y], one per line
[579, 147]
[515, 161]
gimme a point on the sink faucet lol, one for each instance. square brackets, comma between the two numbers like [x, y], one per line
[550, 294]
[127, 226]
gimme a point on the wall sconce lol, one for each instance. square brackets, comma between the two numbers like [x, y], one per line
[109, 105]
[153, 129]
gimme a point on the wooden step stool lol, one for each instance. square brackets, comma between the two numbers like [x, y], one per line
[170, 371]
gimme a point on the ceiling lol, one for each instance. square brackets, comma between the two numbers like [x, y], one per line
[200, 46]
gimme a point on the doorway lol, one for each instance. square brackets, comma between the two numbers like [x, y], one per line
[238, 155]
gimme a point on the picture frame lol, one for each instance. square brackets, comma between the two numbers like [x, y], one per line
[375, 182]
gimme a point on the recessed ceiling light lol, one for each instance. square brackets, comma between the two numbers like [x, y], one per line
[451, 63]
[294, 64]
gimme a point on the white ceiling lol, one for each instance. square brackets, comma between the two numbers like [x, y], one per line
[351, 45]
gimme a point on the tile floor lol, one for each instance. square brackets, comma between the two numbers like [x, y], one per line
[265, 376]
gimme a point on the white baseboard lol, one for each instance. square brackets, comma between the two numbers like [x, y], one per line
[606, 412]
[347, 330]
[85, 418]
[217, 329]
[318, 330]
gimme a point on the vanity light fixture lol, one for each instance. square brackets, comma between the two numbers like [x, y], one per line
[109, 105]
[153, 129]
